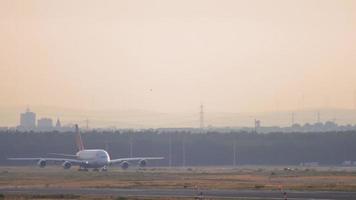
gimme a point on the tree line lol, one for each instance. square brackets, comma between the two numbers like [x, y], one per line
[208, 149]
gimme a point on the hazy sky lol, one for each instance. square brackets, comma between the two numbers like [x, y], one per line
[168, 56]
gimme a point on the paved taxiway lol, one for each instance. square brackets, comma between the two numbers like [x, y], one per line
[246, 194]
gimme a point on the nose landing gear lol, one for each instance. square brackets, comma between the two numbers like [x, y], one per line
[104, 169]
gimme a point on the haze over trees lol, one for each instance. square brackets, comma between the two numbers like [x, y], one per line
[210, 149]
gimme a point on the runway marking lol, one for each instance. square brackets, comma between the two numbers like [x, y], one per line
[187, 193]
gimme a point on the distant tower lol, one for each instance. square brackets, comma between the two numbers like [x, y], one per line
[293, 115]
[318, 116]
[257, 125]
[58, 124]
[201, 116]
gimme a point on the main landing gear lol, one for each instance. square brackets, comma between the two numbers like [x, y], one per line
[82, 169]
[104, 169]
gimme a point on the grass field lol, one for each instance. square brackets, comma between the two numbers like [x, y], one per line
[249, 177]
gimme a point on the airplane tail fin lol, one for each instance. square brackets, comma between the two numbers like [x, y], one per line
[78, 139]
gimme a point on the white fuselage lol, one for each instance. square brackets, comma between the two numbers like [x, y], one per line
[94, 158]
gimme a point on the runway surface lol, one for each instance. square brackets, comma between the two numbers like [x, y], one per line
[228, 194]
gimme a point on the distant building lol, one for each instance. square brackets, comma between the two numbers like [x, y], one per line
[28, 120]
[45, 124]
[58, 124]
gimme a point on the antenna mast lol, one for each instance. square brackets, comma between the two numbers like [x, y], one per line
[201, 116]
[318, 116]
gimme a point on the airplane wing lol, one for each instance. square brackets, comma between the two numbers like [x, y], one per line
[62, 154]
[73, 161]
[134, 159]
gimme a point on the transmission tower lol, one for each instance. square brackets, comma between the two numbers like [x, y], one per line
[201, 116]
[87, 124]
[318, 116]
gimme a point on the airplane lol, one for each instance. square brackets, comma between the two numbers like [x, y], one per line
[96, 159]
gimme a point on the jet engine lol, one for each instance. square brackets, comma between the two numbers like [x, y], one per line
[42, 163]
[125, 165]
[142, 163]
[66, 165]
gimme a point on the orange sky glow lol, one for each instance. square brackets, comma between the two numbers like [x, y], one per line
[169, 56]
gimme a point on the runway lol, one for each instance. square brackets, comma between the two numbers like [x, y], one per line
[221, 194]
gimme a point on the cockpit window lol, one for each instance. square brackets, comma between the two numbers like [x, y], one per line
[101, 154]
